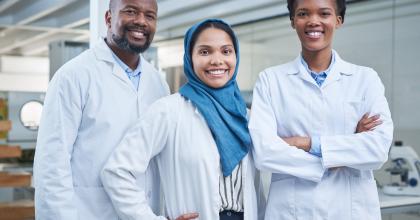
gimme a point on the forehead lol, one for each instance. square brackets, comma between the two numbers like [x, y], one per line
[315, 4]
[213, 37]
[143, 4]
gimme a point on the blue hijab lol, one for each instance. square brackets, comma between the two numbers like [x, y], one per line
[223, 108]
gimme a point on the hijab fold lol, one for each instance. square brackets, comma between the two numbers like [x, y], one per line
[223, 108]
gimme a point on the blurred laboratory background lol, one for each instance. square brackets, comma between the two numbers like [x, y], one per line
[38, 36]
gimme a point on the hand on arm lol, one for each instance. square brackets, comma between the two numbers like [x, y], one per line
[367, 123]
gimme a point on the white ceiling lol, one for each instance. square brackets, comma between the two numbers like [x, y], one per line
[27, 26]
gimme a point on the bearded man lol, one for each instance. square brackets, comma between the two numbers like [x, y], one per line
[91, 102]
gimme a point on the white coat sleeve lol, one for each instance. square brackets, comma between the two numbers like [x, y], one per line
[53, 180]
[366, 150]
[130, 159]
[270, 152]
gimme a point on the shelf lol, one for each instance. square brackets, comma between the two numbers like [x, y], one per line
[5, 125]
[17, 210]
[10, 151]
[15, 179]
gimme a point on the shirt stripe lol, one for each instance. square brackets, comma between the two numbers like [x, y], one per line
[230, 190]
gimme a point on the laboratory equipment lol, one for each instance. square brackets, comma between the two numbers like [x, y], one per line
[406, 164]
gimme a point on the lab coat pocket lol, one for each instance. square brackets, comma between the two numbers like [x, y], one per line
[353, 112]
[94, 203]
[281, 198]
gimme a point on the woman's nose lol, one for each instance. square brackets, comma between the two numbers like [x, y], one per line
[216, 60]
[313, 20]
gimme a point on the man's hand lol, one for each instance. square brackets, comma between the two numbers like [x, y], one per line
[367, 123]
[187, 216]
[303, 143]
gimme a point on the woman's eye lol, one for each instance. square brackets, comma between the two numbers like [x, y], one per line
[326, 14]
[203, 52]
[301, 14]
[227, 51]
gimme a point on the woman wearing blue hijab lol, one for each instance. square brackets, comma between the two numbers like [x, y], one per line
[198, 138]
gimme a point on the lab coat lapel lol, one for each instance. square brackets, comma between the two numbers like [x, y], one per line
[339, 69]
[299, 70]
[120, 73]
[104, 53]
[332, 77]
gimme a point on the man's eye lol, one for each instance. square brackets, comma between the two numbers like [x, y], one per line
[150, 17]
[130, 12]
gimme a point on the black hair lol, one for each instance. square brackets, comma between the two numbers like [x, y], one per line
[216, 25]
[340, 8]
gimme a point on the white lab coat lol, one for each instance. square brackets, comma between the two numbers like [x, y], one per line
[287, 102]
[89, 106]
[177, 136]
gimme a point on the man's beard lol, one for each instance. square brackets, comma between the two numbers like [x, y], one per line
[123, 43]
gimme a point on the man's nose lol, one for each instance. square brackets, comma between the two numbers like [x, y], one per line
[140, 19]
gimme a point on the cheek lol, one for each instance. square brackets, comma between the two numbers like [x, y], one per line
[232, 65]
[197, 65]
[152, 25]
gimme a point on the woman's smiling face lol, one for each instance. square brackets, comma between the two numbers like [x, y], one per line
[315, 22]
[213, 57]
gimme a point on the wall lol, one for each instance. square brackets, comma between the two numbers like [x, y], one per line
[28, 74]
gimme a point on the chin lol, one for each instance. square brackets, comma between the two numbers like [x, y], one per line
[314, 48]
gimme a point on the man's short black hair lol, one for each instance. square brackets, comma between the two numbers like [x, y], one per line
[340, 8]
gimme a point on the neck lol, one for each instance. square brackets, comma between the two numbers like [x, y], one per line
[129, 58]
[318, 61]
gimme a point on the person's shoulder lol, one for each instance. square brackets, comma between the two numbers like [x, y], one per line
[171, 105]
[360, 70]
[175, 100]
[155, 75]
[148, 66]
[78, 65]
[277, 71]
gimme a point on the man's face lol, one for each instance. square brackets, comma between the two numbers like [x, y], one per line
[132, 24]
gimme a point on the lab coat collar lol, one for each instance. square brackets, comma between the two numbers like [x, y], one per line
[339, 69]
[104, 53]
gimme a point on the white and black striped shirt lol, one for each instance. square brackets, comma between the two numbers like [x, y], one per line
[231, 190]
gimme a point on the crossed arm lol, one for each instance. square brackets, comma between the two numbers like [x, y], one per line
[366, 123]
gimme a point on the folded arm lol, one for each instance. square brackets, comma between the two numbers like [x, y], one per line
[271, 153]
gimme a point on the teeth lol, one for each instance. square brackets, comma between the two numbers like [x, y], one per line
[138, 34]
[216, 72]
[314, 34]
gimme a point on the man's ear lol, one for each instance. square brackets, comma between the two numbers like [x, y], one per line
[108, 19]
